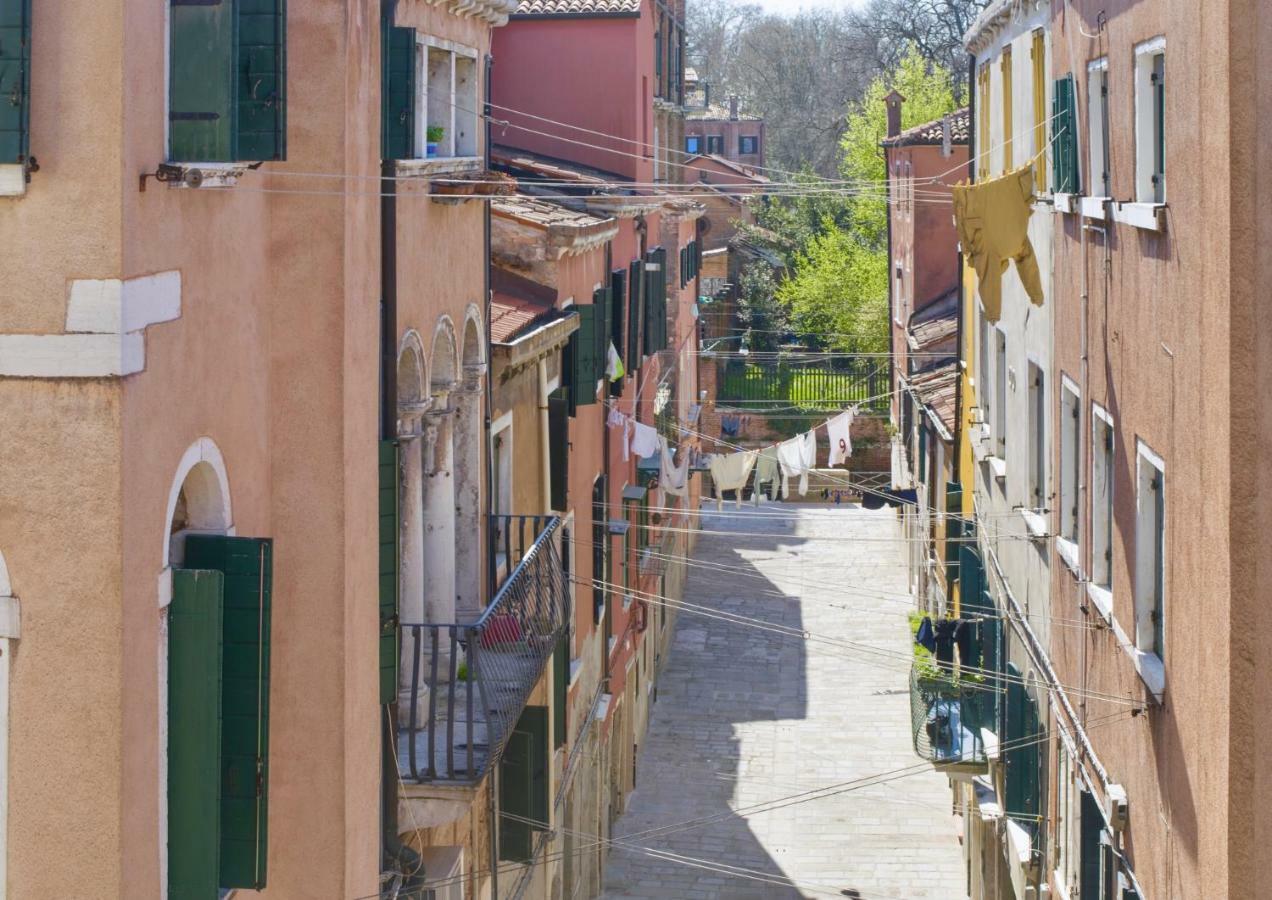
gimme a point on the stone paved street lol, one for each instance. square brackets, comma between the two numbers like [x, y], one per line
[746, 716]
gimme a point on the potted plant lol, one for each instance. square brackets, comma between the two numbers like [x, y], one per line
[434, 135]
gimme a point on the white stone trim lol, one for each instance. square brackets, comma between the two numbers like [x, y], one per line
[113, 306]
[472, 313]
[1148, 216]
[204, 450]
[12, 183]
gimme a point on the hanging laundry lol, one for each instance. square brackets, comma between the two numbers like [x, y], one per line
[730, 425]
[616, 419]
[766, 472]
[877, 499]
[644, 440]
[797, 457]
[944, 636]
[992, 218]
[967, 638]
[730, 473]
[674, 479]
[925, 637]
[614, 364]
[840, 429]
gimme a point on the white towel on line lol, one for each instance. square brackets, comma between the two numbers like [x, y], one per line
[840, 430]
[644, 440]
[731, 473]
[674, 479]
[797, 457]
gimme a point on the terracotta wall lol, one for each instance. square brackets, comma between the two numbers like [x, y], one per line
[730, 130]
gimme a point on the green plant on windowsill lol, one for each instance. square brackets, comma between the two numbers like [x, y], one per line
[461, 674]
[434, 134]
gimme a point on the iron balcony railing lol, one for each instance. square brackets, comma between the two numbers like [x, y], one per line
[947, 714]
[470, 682]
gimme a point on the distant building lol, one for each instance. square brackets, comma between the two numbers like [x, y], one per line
[720, 130]
[723, 187]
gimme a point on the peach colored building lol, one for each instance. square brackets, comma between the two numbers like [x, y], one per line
[725, 189]
[718, 130]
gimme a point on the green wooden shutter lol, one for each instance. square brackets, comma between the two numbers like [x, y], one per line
[15, 80]
[523, 785]
[261, 64]
[603, 329]
[194, 733]
[662, 298]
[656, 302]
[397, 89]
[618, 321]
[635, 313]
[247, 565]
[1064, 124]
[559, 448]
[201, 88]
[561, 691]
[583, 357]
[1014, 733]
[953, 533]
[1091, 824]
[388, 591]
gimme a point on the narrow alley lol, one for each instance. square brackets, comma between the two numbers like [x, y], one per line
[750, 720]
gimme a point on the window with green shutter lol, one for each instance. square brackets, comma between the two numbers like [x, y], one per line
[388, 588]
[583, 358]
[227, 80]
[655, 325]
[397, 88]
[194, 733]
[953, 533]
[559, 448]
[1022, 759]
[247, 566]
[603, 328]
[1064, 130]
[523, 785]
[635, 313]
[1091, 823]
[618, 320]
[561, 691]
[15, 80]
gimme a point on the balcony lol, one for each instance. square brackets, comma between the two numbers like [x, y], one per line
[949, 716]
[470, 681]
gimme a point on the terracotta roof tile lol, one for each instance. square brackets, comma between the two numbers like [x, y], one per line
[531, 8]
[937, 389]
[935, 323]
[931, 133]
[510, 315]
[545, 212]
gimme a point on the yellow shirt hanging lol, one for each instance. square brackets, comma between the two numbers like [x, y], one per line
[992, 218]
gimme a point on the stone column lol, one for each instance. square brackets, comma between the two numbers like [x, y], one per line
[469, 555]
[411, 441]
[439, 513]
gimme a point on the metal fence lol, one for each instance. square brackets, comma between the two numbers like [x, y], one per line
[470, 682]
[947, 715]
[813, 384]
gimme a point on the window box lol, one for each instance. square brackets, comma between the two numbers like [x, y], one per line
[1148, 216]
[1035, 523]
[1068, 551]
[1102, 599]
[1065, 202]
[997, 466]
[1152, 671]
[195, 175]
[438, 165]
[1094, 207]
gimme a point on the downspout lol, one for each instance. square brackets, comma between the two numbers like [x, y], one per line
[892, 314]
[492, 818]
[545, 447]
[397, 855]
[609, 482]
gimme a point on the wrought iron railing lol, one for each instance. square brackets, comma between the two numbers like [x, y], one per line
[805, 383]
[947, 714]
[470, 682]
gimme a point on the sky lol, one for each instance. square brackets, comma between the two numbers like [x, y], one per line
[786, 7]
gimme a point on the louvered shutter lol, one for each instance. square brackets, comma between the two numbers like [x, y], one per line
[194, 733]
[201, 87]
[558, 448]
[656, 302]
[523, 784]
[1065, 136]
[561, 691]
[15, 80]
[1091, 824]
[388, 587]
[261, 63]
[635, 313]
[397, 89]
[618, 321]
[1015, 731]
[583, 357]
[247, 566]
[604, 326]
[953, 533]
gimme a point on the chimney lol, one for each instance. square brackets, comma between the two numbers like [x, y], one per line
[946, 139]
[894, 101]
[706, 95]
[733, 108]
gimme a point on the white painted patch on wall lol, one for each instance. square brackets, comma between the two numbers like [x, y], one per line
[12, 180]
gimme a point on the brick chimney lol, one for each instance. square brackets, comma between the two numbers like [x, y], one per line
[893, 102]
[733, 108]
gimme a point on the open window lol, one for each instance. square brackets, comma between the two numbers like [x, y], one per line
[1000, 393]
[715, 144]
[1101, 499]
[1070, 456]
[1150, 121]
[446, 98]
[227, 81]
[1037, 438]
[693, 143]
[1098, 127]
[748, 144]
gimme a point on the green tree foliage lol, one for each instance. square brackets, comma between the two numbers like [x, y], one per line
[758, 309]
[839, 282]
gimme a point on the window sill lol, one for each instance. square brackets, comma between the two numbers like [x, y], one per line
[195, 175]
[1152, 671]
[12, 180]
[438, 165]
[986, 800]
[576, 669]
[1019, 844]
[997, 466]
[1066, 203]
[1095, 207]
[1102, 599]
[990, 741]
[613, 642]
[1147, 216]
[1068, 551]
[1035, 523]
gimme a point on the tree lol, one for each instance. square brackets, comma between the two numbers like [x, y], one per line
[758, 309]
[934, 28]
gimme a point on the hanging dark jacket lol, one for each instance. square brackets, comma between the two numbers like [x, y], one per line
[925, 637]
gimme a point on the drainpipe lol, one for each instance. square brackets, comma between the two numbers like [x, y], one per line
[396, 854]
[492, 818]
[545, 448]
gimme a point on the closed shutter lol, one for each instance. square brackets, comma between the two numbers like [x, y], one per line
[194, 733]
[523, 785]
[247, 566]
[262, 80]
[1065, 136]
[397, 89]
[1015, 732]
[15, 80]
[559, 448]
[656, 302]
[388, 588]
[561, 691]
[1091, 823]
[583, 357]
[618, 321]
[635, 313]
[953, 534]
[201, 84]
[603, 329]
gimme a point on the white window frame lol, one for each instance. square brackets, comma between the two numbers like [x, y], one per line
[1098, 161]
[1102, 496]
[1146, 121]
[1068, 541]
[1150, 550]
[1000, 393]
[443, 105]
[1037, 399]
